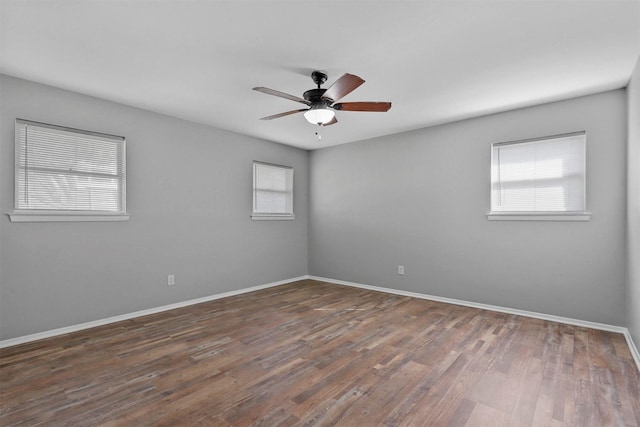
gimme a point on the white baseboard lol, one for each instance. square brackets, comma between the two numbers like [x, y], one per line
[566, 320]
[73, 328]
[68, 329]
[632, 347]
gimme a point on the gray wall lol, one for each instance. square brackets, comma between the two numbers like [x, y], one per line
[416, 199]
[420, 199]
[189, 195]
[633, 207]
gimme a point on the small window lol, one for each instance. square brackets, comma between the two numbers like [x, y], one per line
[272, 192]
[67, 174]
[541, 178]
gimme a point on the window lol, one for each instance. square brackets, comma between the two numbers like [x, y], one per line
[64, 174]
[272, 192]
[540, 178]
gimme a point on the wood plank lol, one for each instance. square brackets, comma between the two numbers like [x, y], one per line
[311, 353]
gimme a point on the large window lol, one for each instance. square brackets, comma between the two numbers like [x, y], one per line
[68, 174]
[272, 192]
[538, 178]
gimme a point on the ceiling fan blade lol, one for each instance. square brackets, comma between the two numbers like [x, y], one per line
[331, 122]
[287, 113]
[343, 86]
[363, 106]
[281, 94]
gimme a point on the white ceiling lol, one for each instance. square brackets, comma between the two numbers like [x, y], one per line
[437, 61]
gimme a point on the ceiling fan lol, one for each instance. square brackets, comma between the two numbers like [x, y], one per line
[322, 102]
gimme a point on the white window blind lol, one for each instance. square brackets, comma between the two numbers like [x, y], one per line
[545, 175]
[68, 171]
[272, 191]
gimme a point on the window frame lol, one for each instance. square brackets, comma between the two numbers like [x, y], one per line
[273, 216]
[57, 215]
[583, 215]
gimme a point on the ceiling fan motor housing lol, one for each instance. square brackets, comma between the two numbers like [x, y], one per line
[315, 95]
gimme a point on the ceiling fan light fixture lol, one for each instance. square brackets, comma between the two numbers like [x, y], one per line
[319, 115]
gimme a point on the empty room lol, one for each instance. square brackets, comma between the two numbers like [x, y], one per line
[319, 213]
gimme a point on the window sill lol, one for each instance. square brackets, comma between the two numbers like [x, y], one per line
[267, 217]
[538, 217]
[42, 217]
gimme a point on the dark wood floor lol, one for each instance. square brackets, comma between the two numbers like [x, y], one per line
[312, 353]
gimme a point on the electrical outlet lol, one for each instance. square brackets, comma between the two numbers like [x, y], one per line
[401, 270]
[171, 280]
